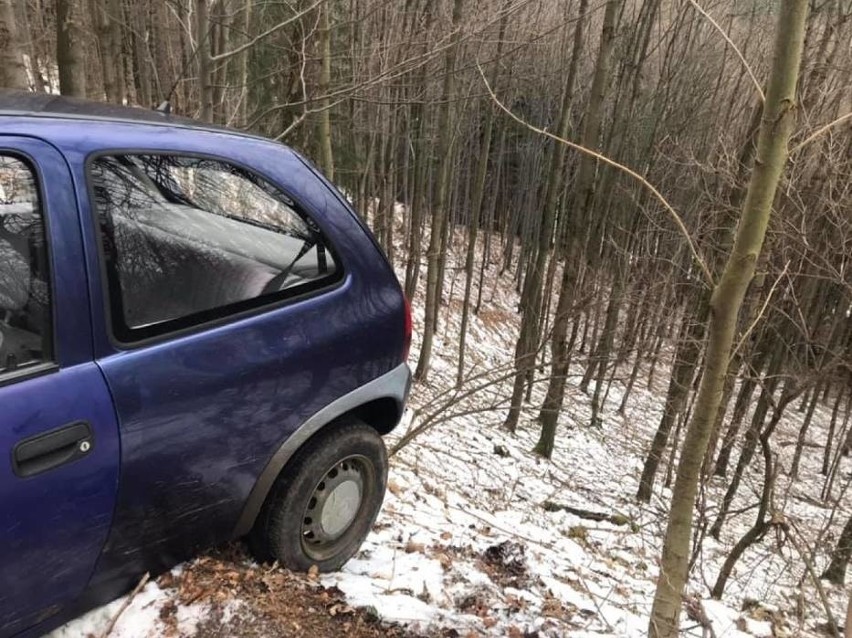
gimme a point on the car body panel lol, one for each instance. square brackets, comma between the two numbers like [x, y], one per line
[203, 412]
[54, 524]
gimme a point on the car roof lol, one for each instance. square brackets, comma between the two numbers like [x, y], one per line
[48, 105]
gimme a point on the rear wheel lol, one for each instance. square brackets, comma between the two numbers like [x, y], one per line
[324, 503]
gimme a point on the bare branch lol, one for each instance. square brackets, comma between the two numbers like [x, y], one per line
[129, 599]
[227, 54]
[708, 278]
[762, 310]
[810, 138]
[733, 46]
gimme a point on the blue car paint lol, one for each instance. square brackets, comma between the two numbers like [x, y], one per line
[201, 414]
[54, 524]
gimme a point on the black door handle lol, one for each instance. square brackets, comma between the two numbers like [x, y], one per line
[48, 450]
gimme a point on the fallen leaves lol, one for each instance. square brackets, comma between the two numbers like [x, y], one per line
[270, 600]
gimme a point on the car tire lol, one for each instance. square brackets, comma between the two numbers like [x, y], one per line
[324, 502]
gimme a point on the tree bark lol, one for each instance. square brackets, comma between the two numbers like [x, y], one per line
[326, 156]
[244, 64]
[70, 49]
[103, 29]
[13, 74]
[202, 51]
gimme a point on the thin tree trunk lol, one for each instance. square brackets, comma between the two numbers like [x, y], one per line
[829, 442]
[103, 28]
[686, 361]
[528, 340]
[476, 207]
[581, 202]
[116, 50]
[141, 57]
[326, 157]
[202, 52]
[440, 213]
[741, 405]
[244, 64]
[803, 433]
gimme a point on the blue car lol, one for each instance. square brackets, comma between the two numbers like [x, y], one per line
[199, 341]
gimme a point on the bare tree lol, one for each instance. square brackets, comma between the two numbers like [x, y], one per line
[775, 131]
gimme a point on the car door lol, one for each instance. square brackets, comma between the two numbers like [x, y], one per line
[58, 433]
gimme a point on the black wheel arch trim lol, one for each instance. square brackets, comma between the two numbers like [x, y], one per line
[394, 385]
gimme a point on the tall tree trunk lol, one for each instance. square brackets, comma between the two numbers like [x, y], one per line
[803, 433]
[115, 48]
[727, 298]
[70, 49]
[202, 52]
[244, 64]
[13, 74]
[528, 339]
[103, 29]
[477, 199]
[440, 211]
[580, 204]
[741, 405]
[686, 360]
[324, 127]
[139, 21]
[752, 437]
[829, 442]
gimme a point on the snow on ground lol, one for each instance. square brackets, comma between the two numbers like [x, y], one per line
[472, 536]
[141, 618]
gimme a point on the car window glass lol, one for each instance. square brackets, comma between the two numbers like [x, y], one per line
[24, 290]
[189, 239]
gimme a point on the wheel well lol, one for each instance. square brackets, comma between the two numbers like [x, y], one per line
[382, 414]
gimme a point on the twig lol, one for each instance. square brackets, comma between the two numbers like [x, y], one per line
[762, 310]
[832, 623]
[810, 138]
[674, 214]
[733, 46]
[228, 54]
[142, 582]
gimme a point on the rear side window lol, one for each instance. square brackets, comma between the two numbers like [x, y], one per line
[187, 240]
[25, 323]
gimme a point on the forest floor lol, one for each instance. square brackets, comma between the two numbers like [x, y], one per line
[476, 537]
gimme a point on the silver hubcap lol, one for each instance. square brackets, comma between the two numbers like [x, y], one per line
[333, 507]
[340, 508]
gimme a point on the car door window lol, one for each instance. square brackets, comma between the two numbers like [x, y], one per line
[25, 334]
[186, 240]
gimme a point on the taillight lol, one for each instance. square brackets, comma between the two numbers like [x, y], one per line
[406, 345]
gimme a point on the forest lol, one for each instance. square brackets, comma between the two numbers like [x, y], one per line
[625, 228]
